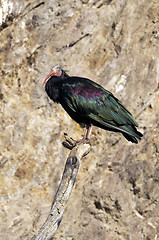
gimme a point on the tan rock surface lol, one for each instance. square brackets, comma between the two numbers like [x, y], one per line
[115, 43]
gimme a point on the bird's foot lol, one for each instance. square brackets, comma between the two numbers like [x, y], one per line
[83, 140]
[70, 143]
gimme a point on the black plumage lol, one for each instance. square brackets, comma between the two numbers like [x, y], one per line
[89, 103]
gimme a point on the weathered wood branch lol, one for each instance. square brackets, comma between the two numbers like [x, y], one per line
[54, 218]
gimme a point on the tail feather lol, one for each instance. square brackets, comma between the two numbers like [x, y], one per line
[133, 136]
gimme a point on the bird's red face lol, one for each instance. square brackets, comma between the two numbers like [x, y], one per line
[56, 71]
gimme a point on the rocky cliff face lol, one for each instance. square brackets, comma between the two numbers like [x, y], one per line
[114, 43]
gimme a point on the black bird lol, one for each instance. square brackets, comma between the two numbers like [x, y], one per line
[90, 104]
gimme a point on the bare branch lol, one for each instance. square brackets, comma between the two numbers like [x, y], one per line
[59, 204]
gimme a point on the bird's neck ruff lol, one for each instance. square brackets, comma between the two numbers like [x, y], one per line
[52, 87]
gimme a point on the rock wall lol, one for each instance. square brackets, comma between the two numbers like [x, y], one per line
[115, 43]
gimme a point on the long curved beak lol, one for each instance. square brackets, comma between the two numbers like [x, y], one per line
[50, 75]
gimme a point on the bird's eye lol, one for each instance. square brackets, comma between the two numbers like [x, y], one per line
[56, 67]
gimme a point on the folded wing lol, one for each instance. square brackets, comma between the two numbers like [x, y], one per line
[93, 102]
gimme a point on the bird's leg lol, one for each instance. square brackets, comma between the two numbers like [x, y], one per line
[89, 131]
[70, 143]
[87, 134]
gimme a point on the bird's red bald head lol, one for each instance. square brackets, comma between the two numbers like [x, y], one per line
[56, 71]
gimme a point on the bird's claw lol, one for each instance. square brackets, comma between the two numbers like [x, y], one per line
[70, 143]
[83, 140]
